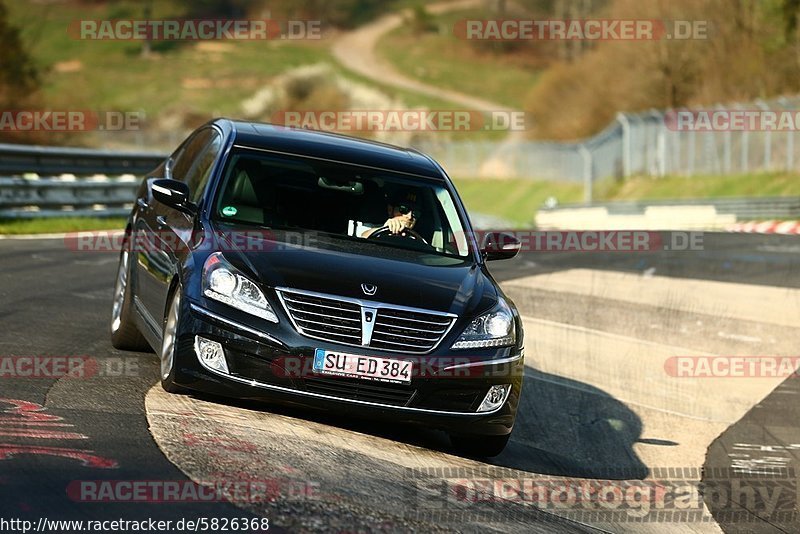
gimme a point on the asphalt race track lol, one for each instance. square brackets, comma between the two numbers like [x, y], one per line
[599, 407]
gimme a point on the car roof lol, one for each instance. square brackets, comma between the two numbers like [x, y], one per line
[331, 146]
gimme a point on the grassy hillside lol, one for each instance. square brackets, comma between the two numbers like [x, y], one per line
[441, 59]
[207, 77]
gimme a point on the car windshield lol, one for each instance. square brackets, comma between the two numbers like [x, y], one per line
[292, 192]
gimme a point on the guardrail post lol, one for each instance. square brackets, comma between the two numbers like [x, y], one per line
[626, 144]
[587, 173]
[661, 143]
[767, 139]
[789, 136]
[677, 164]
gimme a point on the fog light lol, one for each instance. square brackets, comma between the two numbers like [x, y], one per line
[495, 398]
[211, 354]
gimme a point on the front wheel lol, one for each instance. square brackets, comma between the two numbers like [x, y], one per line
[169, 344]
[124, 334]
[480, 446]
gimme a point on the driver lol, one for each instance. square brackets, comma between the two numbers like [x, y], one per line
[402, 211]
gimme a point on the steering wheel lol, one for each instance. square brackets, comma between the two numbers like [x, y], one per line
[384, 231]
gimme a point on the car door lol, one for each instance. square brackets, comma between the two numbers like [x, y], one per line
[168, 229]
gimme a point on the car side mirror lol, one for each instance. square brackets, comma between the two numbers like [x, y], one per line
[500, 246]
[173, 193]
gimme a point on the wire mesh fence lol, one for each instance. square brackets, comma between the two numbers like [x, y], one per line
[742, 138]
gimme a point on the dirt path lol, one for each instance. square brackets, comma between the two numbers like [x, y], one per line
[356, 51]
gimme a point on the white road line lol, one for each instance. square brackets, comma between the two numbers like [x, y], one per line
[739, 337]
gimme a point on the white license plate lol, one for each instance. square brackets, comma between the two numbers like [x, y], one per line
[358, 366]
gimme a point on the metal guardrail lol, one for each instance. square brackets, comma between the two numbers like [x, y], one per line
[43, 160]
[92, 189]
[59, 198]
[748, 208]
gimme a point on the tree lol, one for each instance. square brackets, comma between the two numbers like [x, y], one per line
[19, 77]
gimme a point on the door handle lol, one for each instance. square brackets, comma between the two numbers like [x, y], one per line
[142, 203]
[161, 221]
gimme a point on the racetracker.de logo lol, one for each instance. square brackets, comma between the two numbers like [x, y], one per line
[596, 240]
[408, 120]
[163, 241]
[38, 120]
[732, 366]
[580, 29]
[732, 120]
[186, 491]
[194, 29]
[56, 367]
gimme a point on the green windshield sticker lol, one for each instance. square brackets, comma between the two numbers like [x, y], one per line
[229, 211]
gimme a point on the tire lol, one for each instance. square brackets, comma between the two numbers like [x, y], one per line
[479, 446]
[169, 345]
[124, 333]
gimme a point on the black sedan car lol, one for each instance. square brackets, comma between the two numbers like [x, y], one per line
[323, 271]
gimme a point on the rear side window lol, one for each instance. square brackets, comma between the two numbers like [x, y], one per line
[185, 158]
[201, 171]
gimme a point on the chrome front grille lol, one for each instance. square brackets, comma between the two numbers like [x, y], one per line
[344, 320]
[414, 331]
[324, 318]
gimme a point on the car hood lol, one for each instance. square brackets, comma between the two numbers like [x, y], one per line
[339, 266]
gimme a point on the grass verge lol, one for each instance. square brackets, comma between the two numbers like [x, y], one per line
[517, 200]
[59, 225]
[741, 185]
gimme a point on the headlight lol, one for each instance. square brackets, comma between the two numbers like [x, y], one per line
[493, 329]
[224, 283]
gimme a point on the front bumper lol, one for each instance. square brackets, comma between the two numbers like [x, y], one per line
[445, 391]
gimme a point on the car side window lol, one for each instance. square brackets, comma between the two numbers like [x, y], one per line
[199, 174]
[187, 155]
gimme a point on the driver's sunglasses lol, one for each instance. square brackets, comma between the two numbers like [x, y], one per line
[404, 209]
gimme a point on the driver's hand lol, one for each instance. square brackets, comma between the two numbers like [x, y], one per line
[399, 223]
